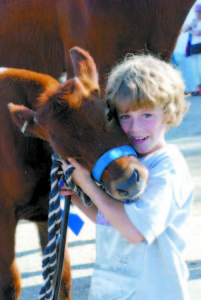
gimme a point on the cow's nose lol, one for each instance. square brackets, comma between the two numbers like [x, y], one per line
[122, 189]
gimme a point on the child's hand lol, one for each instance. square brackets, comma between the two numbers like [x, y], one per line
[81, 176]
[64, 166]
[65, 191]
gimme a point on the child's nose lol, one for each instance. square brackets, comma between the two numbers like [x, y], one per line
[136, 126]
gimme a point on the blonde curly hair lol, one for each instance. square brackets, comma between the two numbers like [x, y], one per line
[145, 81]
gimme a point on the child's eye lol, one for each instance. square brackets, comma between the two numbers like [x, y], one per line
[124, 117]
[146, 116]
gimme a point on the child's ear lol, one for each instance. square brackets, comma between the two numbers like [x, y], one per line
[169, 121]
[167, 118]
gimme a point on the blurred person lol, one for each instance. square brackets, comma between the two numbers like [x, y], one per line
[194, 30]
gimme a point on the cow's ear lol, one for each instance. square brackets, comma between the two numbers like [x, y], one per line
[85, 69]
[25, 119]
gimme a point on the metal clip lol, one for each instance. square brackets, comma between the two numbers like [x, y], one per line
[24, 126]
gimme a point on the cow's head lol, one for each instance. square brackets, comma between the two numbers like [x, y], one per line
[77, 124]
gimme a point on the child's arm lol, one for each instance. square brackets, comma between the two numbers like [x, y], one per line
[112, 209]
[90, 212]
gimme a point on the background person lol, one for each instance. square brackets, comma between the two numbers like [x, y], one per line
[194, 30]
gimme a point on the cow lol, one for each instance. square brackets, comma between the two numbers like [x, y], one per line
[37, 34]
[69, 119]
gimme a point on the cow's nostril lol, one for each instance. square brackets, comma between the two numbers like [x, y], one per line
[137, 175]
[123, 189]
[122, 192]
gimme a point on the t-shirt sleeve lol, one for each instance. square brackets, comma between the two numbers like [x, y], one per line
[153, 211]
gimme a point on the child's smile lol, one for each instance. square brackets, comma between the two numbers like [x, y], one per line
[145, 129]
[139, 140]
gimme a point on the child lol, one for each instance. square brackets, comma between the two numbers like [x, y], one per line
[139, 244]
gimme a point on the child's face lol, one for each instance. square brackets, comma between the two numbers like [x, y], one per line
[145, 129]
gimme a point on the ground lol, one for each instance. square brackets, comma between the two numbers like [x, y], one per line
[82, 247]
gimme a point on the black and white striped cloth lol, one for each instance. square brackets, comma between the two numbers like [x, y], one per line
[54, 223]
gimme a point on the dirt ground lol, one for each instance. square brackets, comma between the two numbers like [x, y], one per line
[82, 247]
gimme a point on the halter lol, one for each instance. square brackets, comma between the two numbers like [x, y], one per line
[54, 217]
[109, 157]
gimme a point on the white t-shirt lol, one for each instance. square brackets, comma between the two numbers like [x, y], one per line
[153, 269]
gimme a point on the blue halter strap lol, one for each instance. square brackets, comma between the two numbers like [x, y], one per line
[108, 157]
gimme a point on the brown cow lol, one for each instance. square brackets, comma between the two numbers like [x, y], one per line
[37, 34]
[73, 119]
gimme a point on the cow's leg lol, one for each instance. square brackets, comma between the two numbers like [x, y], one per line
[10, 281]
[65, 288]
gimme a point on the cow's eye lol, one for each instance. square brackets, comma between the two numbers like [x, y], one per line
[109, 116]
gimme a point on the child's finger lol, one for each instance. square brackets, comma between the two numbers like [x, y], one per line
[65, 192]
[64, 166]
[74, 162]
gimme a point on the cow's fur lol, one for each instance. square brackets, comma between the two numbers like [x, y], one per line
[37, 34]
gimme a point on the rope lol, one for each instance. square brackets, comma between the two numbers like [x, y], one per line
[54, 223]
